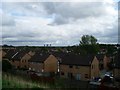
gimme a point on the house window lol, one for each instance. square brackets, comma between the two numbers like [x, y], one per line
[77, 67]
[62, 73]
[86, 75]
[70, 66]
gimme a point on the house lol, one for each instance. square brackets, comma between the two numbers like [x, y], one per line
[80, 67]
[106, 60]
[95, 68]
[20, 59]
[75, 66]
[17, 57]
[51, 64]
[116, 69]
[36, 63]
[3, 53]
[68, 64]
[9, 53]
[103, 61]
[43, 62]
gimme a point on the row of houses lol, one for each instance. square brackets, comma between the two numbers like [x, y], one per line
[68, 65]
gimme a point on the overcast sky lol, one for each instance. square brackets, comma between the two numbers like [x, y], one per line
[58, 23]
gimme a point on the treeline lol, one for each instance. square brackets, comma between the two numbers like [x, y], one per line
[87, 45]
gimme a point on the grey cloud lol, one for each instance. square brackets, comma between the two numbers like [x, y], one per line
[65, 11]
[23, 8]
[59, 20]
[70, 22]
[7, 20]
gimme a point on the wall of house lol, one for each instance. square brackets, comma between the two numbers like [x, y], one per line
[51, 64]
[78, 72]
[2, 54]
[31, 53]
[95, 68]
[15, 63]
[116, 72]
[24, 60]
[106, 60]
[36, 66]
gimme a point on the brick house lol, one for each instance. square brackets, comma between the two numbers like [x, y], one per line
[43, 62]
[79, 67]
[103, 61]
[9, 53]
[20, 59]
[116, 69]
[3, 53]
[69, 65]
[74, 66]
[51, 64]
[36, 63]
[95, 69]
[17, 57]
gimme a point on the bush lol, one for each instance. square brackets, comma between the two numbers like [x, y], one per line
[6, 65]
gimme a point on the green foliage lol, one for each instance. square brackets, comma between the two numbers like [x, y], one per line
[6, 65]
[88, 40]
[88, 45]
[0, 80]
[110, 48]
[10, 81]
[16, 82]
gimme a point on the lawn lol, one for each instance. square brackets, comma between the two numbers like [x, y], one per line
[10, 81]
[17, 82]
[0, 80]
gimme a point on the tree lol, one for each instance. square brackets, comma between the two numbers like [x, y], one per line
[88, 40]
[93, 40]
[6, 65]
[88, 45]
